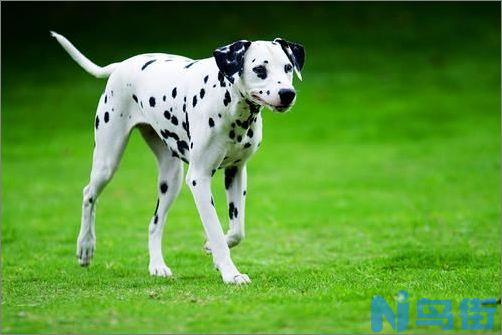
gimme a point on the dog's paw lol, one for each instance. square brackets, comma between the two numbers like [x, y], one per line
[231, 275]
[239, 279]
[159, 270]
[85, 251]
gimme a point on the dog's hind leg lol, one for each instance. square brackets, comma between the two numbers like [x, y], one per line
[111, 135]
[168, 187]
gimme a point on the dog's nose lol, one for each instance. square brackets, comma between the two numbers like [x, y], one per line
[286, 95]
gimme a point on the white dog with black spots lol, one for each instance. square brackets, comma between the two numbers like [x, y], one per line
[206, 113]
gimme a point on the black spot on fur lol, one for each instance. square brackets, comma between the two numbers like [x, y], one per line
[253, 108]
[147, 63]
[90, 200]
[152, 102]
[239, 138]
[184, 108]
[173, 93]
[166, 134]
[135, 98]
[194, 183]
[186, 126]
[194, 101]
[261, 71]
[232, 211]
[268, 92]
[174, 120]
[219, 115]
[182, 146]
[156, 207]
[230, 173]
[214, 85]
[244, 193]
[107, 117]
[163, 187]
[250, 132]
[155, 219]
[211, 122]
[163, 98]
[221, 79]
[202, 93]
[212, 201]
[167, 115]
[227, 98]
[206, 78]
[231, 134]
[96, 123]
[106, 98]
[247, 145]
[141, 104]
[192, 63]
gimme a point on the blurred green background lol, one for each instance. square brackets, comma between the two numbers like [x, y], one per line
[384, 177]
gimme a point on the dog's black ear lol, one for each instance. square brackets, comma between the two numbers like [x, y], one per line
[230, 58]
[295, 53]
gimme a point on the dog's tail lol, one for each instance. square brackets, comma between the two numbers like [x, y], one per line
[96, 71]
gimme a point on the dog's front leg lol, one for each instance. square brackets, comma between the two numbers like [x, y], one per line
[235, 185]
[199, 181]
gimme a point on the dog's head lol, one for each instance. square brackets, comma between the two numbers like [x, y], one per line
[265, 70]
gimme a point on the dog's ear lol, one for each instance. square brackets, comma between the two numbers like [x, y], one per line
[295, 53]
[230, 58]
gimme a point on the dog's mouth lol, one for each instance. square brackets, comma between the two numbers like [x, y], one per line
[274, 108]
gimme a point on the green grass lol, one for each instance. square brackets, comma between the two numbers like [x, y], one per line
[384, 177]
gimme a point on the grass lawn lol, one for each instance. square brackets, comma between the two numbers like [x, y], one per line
[384, 177]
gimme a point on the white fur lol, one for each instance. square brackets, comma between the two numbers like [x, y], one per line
[151, 79]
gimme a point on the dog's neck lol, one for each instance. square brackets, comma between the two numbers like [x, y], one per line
[240, 106]
[244, 108]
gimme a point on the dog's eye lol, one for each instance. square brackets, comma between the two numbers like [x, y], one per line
[288, 68]
[260, 71]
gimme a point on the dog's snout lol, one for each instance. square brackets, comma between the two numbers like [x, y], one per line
[287, 96]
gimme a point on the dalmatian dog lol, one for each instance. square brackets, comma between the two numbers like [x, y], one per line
[206, 113]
